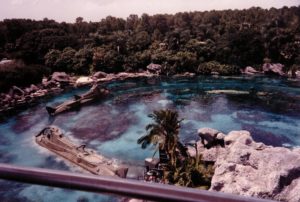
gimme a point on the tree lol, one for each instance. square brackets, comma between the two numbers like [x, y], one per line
[192, 173]
[51, 58]
[164, 133]
[233, 37]
[182, 169]
[66, 60]
[107, 60]
[79, 20]
[83, 60]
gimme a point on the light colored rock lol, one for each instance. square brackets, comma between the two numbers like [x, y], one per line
[5, 61]
[83, 80]
[297, 74]
[248, 168]
[250, 71]
[99, 75]
[220, 135]
[234, 136]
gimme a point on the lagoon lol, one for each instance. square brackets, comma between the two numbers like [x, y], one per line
[270, 111]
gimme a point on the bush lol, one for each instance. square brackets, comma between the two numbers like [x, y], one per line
[213, 66]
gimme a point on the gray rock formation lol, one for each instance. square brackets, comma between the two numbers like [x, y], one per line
[249, 168]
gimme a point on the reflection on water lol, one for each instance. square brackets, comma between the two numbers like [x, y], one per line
[271, 112]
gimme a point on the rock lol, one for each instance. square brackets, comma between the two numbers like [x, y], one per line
[99, 75]
[248, 168]
[123, 75]
[83, 80]
[5, 61]
[211, 137]
[250, 71]
[238, 135]
[208, 155]
[31, 89]
[297, 73]
[273, 69]
[6, 97]
[50, 84]
[61, 77]
[34, 87]
[154, 68]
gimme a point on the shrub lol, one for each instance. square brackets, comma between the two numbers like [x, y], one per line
[213, 66]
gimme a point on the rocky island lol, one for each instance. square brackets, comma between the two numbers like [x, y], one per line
[250, 168]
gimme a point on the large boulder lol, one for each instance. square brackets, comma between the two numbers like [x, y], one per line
[248, 168]
[273, 69]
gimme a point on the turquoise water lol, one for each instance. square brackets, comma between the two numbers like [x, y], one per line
[112, 127]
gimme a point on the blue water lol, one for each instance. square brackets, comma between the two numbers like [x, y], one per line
[112, 127]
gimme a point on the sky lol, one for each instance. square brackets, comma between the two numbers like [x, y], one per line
[95, 10]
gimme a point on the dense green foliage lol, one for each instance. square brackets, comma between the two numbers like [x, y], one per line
[180, 42]
[19, 74]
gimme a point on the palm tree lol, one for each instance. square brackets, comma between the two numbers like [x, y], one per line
[163, 133]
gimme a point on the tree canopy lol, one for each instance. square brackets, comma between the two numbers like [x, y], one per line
[180, 42]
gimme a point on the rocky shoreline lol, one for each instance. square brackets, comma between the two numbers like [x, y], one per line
[18, 98]
[59, 81]
[272, 69]
[250, 168]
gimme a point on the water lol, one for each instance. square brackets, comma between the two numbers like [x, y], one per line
[112, 127]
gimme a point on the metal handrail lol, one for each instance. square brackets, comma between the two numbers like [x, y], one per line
[114, 185]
